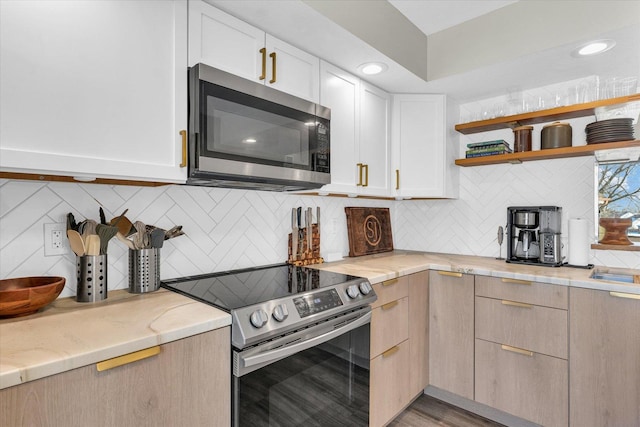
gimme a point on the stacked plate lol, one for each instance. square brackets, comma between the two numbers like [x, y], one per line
[610, 131]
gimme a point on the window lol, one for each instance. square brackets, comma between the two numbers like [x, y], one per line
[619, 196]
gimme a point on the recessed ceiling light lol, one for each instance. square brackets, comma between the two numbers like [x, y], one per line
[372, 68]
[593, 48]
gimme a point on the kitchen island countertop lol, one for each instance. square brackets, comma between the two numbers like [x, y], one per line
[385, 266]
[67, 334]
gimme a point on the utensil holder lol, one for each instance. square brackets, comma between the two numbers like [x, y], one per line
[144, 270]
[91, 273]
[306, 255]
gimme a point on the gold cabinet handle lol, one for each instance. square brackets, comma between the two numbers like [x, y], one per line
[397, 179]
[449, 273]
[516, 304]
[516, 281]
[263, 52]
[272, 55]
[624, 295]
[389, 305]
[366, 175]
[359, 166]
[391, 351]
[183, 133]
[390, 282]
[127, 358]
[517, 350]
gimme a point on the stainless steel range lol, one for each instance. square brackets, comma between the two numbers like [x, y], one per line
[300, 341]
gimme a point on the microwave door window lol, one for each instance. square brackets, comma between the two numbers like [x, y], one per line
[241, 132]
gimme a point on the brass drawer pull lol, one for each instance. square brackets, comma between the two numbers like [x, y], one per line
[517, 282]
[516, 304]
[391, 351]
[517, 350]
[397, 179]
[359, 166]
[390, 282]
[624, 295]
[389, 305]
[183, 133]
[272, 55]
[449, 273]
[263, 53]
[127, 358]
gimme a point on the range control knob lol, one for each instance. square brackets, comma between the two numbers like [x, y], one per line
[365, 288]
[258, 318]
[280, 312]
[353, 291]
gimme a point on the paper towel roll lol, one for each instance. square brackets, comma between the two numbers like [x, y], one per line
[578, 241]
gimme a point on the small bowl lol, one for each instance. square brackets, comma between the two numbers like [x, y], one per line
[26, 295]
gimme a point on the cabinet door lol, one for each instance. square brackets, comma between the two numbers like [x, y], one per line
[94, 89]
[390, 375]
[604, 359]
[373, 146]
[225, 42]
[451, 333]
[419, 145]
[187, 384]
[340, 92]
[419, 332]
[296, 72]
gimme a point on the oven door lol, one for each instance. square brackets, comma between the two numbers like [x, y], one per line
[315, 377]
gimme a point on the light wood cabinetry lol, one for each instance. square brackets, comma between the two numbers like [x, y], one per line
[225, 42]
[399, 346]
[422, 161]
[187, 383]
[359, 133]
[521, 349]
[94, 89]
[604, 359]
[419, 332]
[451, 332]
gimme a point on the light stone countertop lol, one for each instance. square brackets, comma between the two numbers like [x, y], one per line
[67, 334]
[380, 267]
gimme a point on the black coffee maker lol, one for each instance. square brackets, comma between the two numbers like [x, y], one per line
[534, 235]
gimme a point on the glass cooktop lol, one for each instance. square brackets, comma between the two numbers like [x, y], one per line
[234, 289]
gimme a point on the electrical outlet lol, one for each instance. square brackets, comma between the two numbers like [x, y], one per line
[55, 239]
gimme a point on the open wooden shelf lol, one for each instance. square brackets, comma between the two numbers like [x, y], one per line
[552, 153]
[542, 116]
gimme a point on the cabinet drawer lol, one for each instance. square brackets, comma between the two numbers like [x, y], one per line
[389, 325]
[536, 328]
[391, 290]
[531, 385]
[523, 291]
[389, 393]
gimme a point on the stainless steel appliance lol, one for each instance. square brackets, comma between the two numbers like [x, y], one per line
[534, 235]
[243, 134]
[300, 343]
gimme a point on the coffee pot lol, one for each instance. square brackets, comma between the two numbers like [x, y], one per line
[527, 246]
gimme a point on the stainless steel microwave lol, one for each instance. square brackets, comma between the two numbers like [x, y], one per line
[246, 135]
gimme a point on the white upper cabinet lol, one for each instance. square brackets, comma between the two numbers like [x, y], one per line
[359, 133]
[227, 43]
[94, 89]
[423, 164]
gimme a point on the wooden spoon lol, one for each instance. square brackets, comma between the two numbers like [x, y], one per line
[76, 242]
[93, 244]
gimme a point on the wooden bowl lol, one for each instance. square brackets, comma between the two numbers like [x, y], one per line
[26, 295]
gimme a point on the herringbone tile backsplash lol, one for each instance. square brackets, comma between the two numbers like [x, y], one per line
[228, 229]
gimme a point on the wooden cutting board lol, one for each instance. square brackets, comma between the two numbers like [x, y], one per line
[369, 230]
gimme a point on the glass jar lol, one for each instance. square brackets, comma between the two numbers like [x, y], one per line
[522, 138]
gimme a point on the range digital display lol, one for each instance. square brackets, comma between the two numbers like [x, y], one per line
[317, 302]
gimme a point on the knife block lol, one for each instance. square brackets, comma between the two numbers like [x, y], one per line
[305, 255]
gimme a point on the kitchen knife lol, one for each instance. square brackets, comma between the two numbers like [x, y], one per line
[294, 235]
[309, 220]
[318, 219]
[299, 225]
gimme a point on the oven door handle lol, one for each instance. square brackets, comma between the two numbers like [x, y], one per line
[281, 353]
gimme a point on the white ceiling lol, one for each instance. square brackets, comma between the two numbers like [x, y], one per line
[435, 15]
[297, 23]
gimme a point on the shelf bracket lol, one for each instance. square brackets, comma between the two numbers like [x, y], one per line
[515, 162]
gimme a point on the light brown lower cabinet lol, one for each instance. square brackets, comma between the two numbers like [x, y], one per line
[388, 384]
[529, 385]
[451, 332]
[419, 332]
[187, 383]
[604, 359]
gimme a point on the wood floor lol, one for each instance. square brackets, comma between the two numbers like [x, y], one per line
[427, 411]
